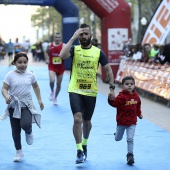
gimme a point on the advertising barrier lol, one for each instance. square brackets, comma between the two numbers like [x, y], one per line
[150, 77]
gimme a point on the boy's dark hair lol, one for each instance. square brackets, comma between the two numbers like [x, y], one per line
[128, 78]
[84, 26]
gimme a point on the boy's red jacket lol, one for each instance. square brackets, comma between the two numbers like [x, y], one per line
[128, 107]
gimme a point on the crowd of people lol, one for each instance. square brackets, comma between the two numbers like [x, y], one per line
[147, 53]
[11, 48]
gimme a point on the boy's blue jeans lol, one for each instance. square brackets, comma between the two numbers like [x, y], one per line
[130, 132]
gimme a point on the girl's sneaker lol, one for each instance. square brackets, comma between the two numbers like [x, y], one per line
[29, 138]
[19, 155]
[55, 102]
[51, 96]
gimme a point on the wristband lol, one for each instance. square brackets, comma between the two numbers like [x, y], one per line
[112, 87]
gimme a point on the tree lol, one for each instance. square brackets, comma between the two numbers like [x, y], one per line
[47, 18]
[146, 9]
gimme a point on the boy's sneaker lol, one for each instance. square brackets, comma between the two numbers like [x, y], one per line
[19, 155]
[29, 138]
[85, 151]
[55, 102]
[130, 159]
[80, 157]
[51, 96]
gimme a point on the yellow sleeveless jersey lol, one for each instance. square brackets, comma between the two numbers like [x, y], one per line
[84, 71]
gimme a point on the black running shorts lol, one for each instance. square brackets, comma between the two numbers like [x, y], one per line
[83, 104]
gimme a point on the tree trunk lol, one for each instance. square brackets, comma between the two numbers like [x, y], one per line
[139, 27]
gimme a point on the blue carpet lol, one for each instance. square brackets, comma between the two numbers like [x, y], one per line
[54, 145]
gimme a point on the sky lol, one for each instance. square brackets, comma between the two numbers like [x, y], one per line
[15, 22]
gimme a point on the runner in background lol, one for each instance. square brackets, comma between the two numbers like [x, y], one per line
[2, 49]
[26, 46]
[17, 46]
[10, 51]
[55, 66]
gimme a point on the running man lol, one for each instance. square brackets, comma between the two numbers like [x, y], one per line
[83, 84]
[55, 66]
[10, 51]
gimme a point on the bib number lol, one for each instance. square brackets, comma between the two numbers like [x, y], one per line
[84, 86]
[56, 60]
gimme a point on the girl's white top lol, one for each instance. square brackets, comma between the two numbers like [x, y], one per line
[20, 85]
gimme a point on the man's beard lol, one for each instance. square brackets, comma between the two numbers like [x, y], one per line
[85, 43]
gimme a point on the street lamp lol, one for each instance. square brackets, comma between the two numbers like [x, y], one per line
[143, 22]
[81, 20]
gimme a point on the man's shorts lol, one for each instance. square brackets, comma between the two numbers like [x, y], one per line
[83, 104]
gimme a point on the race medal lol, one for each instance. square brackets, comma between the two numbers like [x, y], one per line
[56, 60]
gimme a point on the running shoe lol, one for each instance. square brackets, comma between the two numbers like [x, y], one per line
[130, 159]
[55, 102]
[85, 151]
[19, 155]
[29, 138]
[80, 157]
[51, 96]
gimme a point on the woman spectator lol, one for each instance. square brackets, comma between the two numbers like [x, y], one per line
[146, 53]
[137, 53]
[165, 57]
[39, 52]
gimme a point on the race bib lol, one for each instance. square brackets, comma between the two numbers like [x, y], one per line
[85, 84]
[56, 60]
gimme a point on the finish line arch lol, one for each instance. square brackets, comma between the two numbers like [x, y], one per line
[68, 10]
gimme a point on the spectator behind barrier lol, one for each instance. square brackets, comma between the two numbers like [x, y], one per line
[159, 54]
[94, 42]
[131, 51]
[146, 53]
[165, 57]
[126, 47]
[137, 53]
[153, 52]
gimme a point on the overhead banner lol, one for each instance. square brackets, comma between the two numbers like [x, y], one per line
[28, 2]
[159, 26]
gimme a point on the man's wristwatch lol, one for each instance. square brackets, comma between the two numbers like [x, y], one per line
[112, 87]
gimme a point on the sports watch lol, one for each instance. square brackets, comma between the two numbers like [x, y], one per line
[112, 87]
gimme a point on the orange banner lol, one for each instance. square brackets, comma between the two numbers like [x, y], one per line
[154, 78]
[159, 26]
